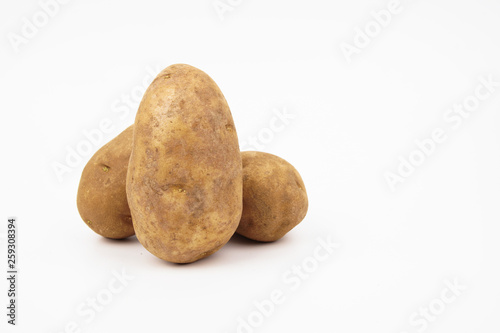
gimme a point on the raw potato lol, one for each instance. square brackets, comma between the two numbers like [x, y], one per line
[184, 183]
[274, 197]
[101, 199]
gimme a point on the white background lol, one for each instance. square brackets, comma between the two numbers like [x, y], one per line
[352, 121]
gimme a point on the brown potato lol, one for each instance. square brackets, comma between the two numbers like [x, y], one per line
[274, 197]
[101, 199]
[184, 183]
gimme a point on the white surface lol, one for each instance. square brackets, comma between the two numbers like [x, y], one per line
[352, 122]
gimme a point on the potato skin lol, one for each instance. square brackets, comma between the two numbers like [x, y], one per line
[184, 182]
[274, 197]
[101, 199]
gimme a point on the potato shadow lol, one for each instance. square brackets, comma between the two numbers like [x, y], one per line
[235, 243]
[240, 240]
[129, 240]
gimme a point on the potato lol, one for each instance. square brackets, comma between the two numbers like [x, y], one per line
[274, 197]
[184, 182]
[101, 199]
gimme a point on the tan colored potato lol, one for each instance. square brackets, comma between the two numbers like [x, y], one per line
[101, 198]
[274, 197]
[184, 183]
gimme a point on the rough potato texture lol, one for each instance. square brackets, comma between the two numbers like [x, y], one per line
[274, 197]
[101, 199]
[184, 183]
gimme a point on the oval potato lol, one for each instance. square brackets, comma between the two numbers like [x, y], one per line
[101, 199]
[184, 183]
[274, 197]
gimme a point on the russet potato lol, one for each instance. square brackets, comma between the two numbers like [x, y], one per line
[101, 199]
[274, 197]
[184, 182]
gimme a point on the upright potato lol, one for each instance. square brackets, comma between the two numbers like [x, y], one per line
[101, 198]
[184, 182]
[274, 197]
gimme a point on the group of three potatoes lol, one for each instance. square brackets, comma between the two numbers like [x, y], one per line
[177, 180]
